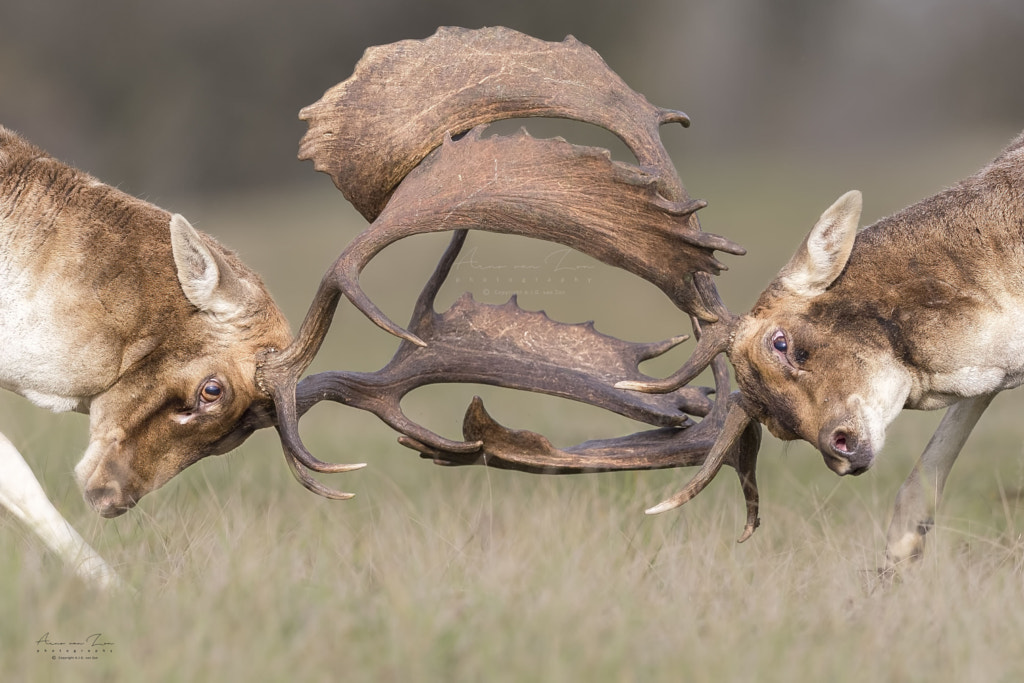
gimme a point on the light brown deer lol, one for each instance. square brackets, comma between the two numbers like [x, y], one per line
[113, 307]
[116, 308]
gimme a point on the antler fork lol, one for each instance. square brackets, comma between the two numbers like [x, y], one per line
[402, 139]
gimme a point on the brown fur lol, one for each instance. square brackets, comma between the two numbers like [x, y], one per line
[921, 310]
[136, 350]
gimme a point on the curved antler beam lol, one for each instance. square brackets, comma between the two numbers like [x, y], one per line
[386, 138]
[547, 189]
[504, 346]
[723, 437]
[473, 342]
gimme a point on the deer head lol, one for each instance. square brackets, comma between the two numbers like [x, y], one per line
[188, 391]
[839, 401]
[116, 308]
[792, 380]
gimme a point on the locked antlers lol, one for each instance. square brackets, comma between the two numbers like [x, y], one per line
[402, 138]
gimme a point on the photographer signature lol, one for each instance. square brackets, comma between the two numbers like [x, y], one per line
[91, 641]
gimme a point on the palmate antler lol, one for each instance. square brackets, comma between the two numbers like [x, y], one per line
[402, 139]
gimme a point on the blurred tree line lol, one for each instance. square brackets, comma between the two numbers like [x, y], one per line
[193, 96]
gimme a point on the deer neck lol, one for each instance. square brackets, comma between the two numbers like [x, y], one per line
[942, 284]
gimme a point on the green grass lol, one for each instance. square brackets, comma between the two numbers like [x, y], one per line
[477, 575]
[471, 574]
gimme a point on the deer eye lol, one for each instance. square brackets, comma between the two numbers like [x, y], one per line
[779, 341]
[211, 391]
[784, 351]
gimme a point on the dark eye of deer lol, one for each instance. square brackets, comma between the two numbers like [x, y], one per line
[211, 391]
[779, 342]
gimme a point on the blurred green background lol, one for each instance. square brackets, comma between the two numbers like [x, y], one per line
[469, 574]
[185, 98]
[793, 102]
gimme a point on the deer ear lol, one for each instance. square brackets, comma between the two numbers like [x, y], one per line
[205, 276]
[824, 252]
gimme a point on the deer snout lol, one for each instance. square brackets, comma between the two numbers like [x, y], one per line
[108, 499]
[845, 450]
[107, 484]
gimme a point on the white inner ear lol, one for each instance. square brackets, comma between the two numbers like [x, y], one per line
[207, 281]
[826, 249]
[197, 269]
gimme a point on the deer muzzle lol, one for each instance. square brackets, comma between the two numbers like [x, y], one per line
[108, 483]
[109, 500]
[845, 447]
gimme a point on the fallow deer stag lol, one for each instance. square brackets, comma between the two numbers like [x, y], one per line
[926, 302]
[116, 308]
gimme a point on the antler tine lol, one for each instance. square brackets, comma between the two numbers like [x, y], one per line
[277, 374]
[736, 422]
[746, 468]
[713, 338]
[710, 344]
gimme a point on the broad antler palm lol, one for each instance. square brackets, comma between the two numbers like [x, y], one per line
[402, 140]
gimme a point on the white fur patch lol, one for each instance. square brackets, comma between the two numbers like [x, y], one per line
[885, 400]
[993, 344]
[46, 357]
[907, 546]
[58, 404]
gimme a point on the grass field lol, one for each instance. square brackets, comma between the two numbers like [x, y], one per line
[477, 575]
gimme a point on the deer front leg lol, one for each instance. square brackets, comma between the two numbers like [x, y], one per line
[919, 495]
[21, 493]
